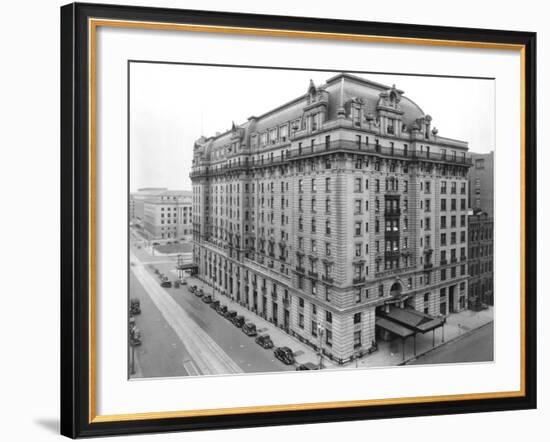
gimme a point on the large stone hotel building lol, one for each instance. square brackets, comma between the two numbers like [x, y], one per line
[334, 215]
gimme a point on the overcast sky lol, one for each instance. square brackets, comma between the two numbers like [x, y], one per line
[173, 105]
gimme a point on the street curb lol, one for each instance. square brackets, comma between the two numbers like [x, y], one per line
[455, 339]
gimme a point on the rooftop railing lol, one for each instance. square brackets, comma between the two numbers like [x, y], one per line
[345, 146]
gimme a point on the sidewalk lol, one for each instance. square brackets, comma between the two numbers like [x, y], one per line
[280, 338]
[388, 354]
[391, 353]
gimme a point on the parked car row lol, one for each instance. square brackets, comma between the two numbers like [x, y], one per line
[135, 334]
[284, 354]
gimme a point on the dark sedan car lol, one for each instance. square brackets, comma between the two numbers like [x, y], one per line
[166, 284]
[215, 305]
[307, 366]
[238, 321]
[230, 314]
[285, 355]
[207, 299]
[249, 329]
[264, 341]
[222, 309]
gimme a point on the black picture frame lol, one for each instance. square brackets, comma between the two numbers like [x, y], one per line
[75, 220]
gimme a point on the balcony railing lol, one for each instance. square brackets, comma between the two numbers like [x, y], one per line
[327, 148]
[328, 279]
[359, 280]
[428, 266]
[300, 270]
[392, 212]
[313, 274]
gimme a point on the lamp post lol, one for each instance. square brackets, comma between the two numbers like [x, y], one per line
[321, 331]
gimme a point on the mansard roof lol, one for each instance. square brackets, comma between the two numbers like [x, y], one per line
[341, 89]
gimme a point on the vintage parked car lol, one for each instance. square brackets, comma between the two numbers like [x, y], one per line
[307, 366]
[249, 329]
[215, 305]
[264, 341]
[166, 284]
[199, 293]
[193, 288]
[135, 337]
[207, 299]
[285, 355]
[230, 314]
[222, 309]
[135, 307]
[238, 321]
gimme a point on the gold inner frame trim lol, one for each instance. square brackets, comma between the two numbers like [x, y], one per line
[93, 24]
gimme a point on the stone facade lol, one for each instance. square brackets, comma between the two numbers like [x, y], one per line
[480, 262]
[163, 214]
[481, 183]
[330, 207]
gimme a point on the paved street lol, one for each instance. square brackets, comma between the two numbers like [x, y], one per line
[183, 336]
[475, 347]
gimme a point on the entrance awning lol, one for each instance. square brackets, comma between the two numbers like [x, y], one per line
[394, 328]
[189, 266]
[411, 319]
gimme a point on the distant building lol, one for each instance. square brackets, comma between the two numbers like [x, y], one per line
[480, 260]
[481, 183]
[162, 213]
[339, 216]
[480, 231]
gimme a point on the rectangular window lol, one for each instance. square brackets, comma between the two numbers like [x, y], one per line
[357, 316]
[328, 339]
[357, 185]
[357, 339]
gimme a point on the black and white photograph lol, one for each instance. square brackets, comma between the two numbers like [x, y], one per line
[295, 220]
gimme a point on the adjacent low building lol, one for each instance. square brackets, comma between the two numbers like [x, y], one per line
[162, 214]
[335, 216]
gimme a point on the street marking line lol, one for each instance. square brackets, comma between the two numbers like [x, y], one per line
[190, 368]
